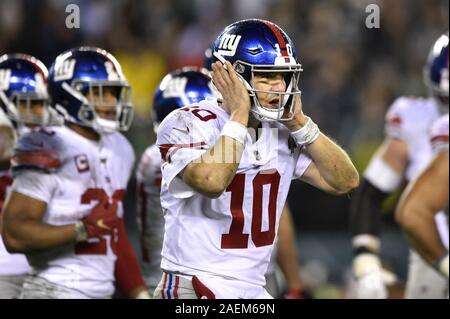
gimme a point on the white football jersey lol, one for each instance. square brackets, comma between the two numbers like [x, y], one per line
[410, 119]
[231, 236]
[439, 134]
[10, 264]
[150, 217]
[77, 174]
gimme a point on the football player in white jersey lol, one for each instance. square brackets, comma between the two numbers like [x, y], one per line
[404, 152]
[23, 106]
[65, 207]
[424, 198]
[284, 256]
[224, 183]
[178, 88]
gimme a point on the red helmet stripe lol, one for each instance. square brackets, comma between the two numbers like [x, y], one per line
[279, 37]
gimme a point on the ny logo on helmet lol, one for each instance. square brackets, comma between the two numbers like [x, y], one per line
[65, 70]
[228, 44]
[175, 87]
[5, 76]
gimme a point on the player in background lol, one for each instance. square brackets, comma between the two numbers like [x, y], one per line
[424, 198]
[23, 106]
[224, 183]
[404, 152]
[178, 88]
[284, 256]
[65, 207]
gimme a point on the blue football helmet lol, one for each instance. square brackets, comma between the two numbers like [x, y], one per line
[207, 59]
[23, 91]
[179, 88]
[436, 71]
[79, 80]
[257, 46]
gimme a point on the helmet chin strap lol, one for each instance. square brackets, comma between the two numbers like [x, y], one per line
[103, 126]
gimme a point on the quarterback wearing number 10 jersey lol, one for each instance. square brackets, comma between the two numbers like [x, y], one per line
[237, 230]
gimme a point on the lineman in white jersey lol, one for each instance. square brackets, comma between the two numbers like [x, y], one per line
[23, 106]
[178, 88]
[223, 187]
[65, 207]
[405, 151]
[424, 198]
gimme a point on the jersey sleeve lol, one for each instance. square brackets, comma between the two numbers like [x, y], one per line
[396, 120]
[183, 137]
[303, 162]
[439, 134]
[38, 150]
[35, 184]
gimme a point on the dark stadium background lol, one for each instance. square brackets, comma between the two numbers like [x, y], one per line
[351, 75]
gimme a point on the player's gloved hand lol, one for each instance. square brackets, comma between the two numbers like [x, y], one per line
[371, 278]
[294, 294]
[101, 221]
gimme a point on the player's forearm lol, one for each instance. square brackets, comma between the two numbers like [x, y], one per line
[216, 168]
[127, 271]
[419, 225]
[29, 236]
[365, 217]
[334, 164]
[287, 260]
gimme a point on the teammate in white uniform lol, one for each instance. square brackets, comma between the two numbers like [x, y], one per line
[178, 88]
[405, 151]
[223, 186]
[424, 198]
[23, 105]
[65, 208]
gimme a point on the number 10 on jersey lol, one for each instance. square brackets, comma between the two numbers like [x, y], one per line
[236, 238]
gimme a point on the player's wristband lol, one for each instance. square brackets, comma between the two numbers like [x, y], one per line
[442, 265]
[307, 134]
[365, 243]
[235, 130]
[81, 233]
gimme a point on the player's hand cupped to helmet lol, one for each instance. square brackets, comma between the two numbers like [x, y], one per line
[299, 120]
[235, 96]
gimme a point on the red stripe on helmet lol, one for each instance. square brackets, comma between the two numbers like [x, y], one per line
[279, 37]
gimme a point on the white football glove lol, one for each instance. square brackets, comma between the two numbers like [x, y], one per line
[371, 279]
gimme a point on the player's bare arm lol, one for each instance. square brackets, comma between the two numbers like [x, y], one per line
[332, 170]
[211, 177]
[23, 229]
[382, 177]
[287, 253]
[418, 206]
